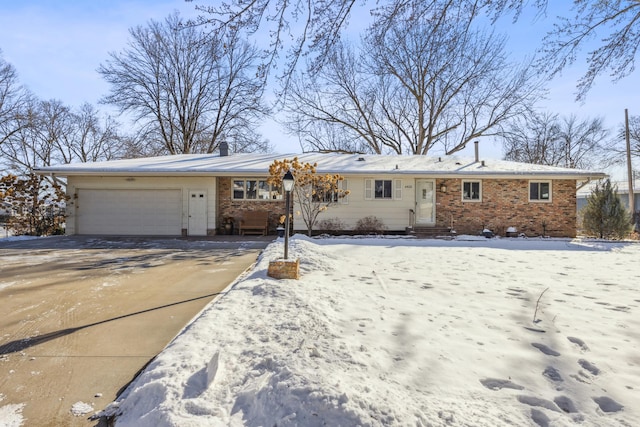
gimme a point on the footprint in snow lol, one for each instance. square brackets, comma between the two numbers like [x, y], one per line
[553, 374]
[607, 404]
[566, 404]
[498, 384]
[546, 350]
[579, 343]
[539, 417]
[536, 401]
[589, 366]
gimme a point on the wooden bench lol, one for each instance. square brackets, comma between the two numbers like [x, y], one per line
[254, 222]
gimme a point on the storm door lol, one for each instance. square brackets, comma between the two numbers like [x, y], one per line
[425, 202]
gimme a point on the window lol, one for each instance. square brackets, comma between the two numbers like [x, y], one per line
[323, 195]
[255, 189]
[382, 189]
[540, 191]
[471, 191]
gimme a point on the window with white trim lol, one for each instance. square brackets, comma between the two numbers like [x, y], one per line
[383, 189]
[255, 189]
[323, 195]
[539, 191]
[471, 191]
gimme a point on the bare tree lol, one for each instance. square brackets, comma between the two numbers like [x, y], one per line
[12, 99]
[333, 110]
[615, 22]
[89, 138]
[634, 135]
[546, 139]
[188, 90]
[300, 26]
[43, 124]
[425, 78]
[50, 132]
[314, 27]
[616, 153]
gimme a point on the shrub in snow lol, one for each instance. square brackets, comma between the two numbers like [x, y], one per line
[605, 216]
[370, 225]
[332, 225]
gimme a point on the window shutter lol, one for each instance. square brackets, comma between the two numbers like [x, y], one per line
[343, 186]
[368, 189]
[397, 189]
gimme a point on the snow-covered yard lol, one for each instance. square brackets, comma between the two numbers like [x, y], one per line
[399, 332]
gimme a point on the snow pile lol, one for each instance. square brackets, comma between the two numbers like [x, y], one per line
[11, 415]
[81, 408]
[396, 332]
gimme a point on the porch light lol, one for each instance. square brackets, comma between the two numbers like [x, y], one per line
[287, 183]
[443, 188]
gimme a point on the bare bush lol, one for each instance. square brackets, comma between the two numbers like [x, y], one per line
[370, 225]
[331, 225]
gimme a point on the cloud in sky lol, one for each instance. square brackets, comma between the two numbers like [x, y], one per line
[56, 47]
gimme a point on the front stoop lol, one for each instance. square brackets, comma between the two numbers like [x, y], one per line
[284, 269]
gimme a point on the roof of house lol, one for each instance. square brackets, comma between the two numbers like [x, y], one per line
[345, 164]
[622, 186]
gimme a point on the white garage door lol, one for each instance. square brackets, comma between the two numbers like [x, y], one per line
[130, 212]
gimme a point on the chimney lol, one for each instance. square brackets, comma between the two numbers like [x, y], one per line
[224, 149]
[477, 151]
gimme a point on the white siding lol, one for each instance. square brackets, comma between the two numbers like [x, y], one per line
[394, 213]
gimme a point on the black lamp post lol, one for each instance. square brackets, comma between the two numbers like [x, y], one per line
[287, 183]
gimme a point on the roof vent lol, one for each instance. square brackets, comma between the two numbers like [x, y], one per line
[361, 159]
[483, 165]
[224, 149]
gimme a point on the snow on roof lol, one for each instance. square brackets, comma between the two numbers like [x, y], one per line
[346, 164]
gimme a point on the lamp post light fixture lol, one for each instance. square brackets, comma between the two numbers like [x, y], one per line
[287, 182]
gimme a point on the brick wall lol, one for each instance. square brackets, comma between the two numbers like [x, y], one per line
[505, 203]
[227, 207]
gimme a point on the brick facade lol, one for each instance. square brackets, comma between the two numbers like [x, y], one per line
[505, 203]
[229, 208]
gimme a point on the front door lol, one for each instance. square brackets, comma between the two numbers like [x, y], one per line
[425, 202]
[197, 213]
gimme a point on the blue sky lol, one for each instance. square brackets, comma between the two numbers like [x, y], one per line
[56, 47]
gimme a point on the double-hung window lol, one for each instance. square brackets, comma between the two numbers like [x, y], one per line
[255, 189]
[539, 191]
[471, 191]
[383, 189]
[327, 194]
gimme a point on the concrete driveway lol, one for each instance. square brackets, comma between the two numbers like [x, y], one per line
[81, 316]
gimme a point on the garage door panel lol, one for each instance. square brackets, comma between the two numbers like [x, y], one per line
[130, 212]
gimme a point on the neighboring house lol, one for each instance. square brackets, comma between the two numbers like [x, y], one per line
[195, 195]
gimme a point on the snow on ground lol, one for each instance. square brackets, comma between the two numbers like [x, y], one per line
[398, 332]
[10, 415]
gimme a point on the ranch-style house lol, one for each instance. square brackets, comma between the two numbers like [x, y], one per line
[208, 194]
